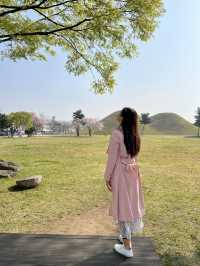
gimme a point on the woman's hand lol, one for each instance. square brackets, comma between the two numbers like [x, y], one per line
[108, 184]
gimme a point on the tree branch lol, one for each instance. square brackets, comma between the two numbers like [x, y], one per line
[19, 8]
[6, 40]
[15, 9]
[53, 15]
[59, 4]
[73, 46]
[45, 32]
[48, 18]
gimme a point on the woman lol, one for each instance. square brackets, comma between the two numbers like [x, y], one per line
[122, 178]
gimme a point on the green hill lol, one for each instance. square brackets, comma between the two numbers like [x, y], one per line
[109, 122]
[162, 123]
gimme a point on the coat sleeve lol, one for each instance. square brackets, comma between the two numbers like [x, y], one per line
[112, 151]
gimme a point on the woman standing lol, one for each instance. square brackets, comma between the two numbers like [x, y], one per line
[122, 178]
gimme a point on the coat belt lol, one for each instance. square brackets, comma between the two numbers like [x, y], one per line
[129, 165]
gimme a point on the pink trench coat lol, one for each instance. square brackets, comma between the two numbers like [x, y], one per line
[127, 196]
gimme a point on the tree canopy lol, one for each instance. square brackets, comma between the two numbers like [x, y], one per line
[21, 119]
[4, 122]
[145, 118]
[94, 34]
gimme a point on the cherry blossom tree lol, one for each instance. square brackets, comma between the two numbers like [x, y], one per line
[93, 124]
[38, 121]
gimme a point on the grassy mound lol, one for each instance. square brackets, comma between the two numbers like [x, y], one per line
[162, 123]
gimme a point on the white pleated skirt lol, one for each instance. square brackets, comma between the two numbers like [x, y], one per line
[129, 228]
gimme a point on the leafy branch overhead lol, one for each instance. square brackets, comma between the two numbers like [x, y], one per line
[93, 33]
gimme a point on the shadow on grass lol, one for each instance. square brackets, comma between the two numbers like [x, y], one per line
[17, 188]
[179, 260]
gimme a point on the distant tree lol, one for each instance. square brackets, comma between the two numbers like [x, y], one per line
[78, 120]
[21, 120]
[197, 120]
[30, 131]
[54, 125]
[66, 127]
[59, 127]
[4, 122]
[13, 129]
[93, 34]
[92, 124]
[38, 122]
[145, 119]
[43, 120]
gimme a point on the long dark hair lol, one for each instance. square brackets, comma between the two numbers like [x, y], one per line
[130, 129]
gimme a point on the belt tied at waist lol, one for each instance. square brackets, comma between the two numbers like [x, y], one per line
[129, 165]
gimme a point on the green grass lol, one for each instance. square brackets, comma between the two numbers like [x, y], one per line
[73, 182]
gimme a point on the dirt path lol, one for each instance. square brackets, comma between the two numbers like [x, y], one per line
[93, 222]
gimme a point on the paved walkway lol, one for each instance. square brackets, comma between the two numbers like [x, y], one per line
[71, 250]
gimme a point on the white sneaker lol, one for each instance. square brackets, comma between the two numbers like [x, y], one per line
[123, 251]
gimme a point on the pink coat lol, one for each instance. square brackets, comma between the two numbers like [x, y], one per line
[123, 172]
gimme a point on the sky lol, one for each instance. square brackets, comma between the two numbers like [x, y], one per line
[165, 77]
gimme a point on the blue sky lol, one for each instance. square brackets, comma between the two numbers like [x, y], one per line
[165, 77]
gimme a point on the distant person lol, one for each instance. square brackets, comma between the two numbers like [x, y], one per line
[122, 178]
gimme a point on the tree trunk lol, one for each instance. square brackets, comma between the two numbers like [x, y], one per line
[198, 135]
[90, 132]
[77, 132]
[142, 128]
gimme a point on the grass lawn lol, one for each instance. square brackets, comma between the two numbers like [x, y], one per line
[73, 182]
